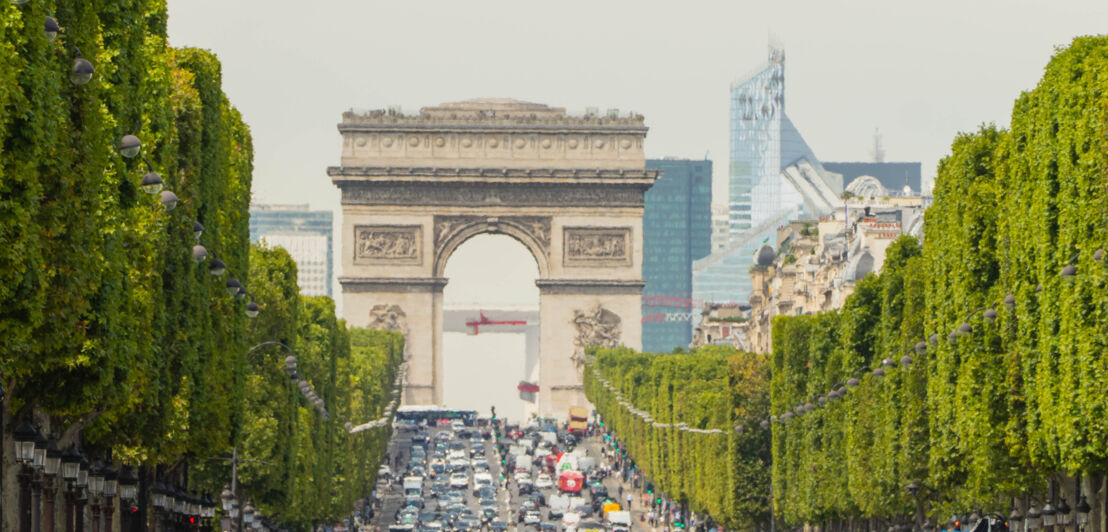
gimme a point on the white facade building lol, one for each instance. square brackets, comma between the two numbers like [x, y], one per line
[310, 251]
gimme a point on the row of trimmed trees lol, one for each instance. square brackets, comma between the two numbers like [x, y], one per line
[723, 474]
[116, 342]
[968, 375]
[1007, 295]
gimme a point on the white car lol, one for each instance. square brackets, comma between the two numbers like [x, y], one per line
[544, 481]
[459, 480]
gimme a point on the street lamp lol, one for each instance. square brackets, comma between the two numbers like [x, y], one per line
[1048, 515]
[233, 286]
[1014, 519]
[1010, 301]
[1069, 273]
[248, 513]
[1063, 516]
[96, 480]
[1033, 521]
[990, 316]
[169, 199]
[128, 485]
[197, 230]
[110, 482]
[53, 459]
[241, 294]
[82, 473]
[151, 182]
[921, 348]
[51, 29]
[1083, 510]
[39, 461]
[129, 146]
[216, 267]
[71, 463]
[24, 436]
[158, 496]
[199, 253]
[252, 309]
[227, 498]
[82, 70]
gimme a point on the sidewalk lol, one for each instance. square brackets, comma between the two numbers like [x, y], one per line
[613, 482]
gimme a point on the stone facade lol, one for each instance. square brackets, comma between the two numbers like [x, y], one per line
[570, 189]
[812, 268]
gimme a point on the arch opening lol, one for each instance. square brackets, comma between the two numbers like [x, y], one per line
[486, 352]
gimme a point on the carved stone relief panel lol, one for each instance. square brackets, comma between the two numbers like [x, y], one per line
[390, 318]
[388, 244]
[596, 326]
[596, 246]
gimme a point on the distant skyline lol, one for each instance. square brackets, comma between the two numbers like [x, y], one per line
[919, 72]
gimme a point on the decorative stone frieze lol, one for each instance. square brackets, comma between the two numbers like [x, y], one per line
[388, 244]
[597, 246]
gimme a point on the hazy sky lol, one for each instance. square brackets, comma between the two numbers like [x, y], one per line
[919, 71]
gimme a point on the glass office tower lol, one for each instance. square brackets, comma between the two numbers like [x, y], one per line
[764, 143]
[677, 229]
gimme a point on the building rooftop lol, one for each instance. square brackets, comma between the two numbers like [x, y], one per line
[892, 175]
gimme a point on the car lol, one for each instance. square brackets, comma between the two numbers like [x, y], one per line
[548, 527]
[544, 481]
[498, 525]
[583, 510]
[532, 518]
[488, 514]
[486, 492]
[459, 480]
[464, 525]
[524, 486]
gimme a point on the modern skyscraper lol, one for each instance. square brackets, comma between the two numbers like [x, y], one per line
[677, 229]
[774, 177]
[305, 234]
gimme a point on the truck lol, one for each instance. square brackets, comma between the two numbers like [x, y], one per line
[578, 419]
[619, 521]
[523, 464]
[413, 486]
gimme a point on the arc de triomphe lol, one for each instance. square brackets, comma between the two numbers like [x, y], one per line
[569, 188]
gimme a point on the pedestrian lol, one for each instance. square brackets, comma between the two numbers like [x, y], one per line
[629, 498]
[621, 491]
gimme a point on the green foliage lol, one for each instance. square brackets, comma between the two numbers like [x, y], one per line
[990, 415]
[100, 299]
[302, 468]
[713, 387]
[112, 333]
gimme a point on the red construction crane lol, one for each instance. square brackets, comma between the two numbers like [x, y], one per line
[476, 324]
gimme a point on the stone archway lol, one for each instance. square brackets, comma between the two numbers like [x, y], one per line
[570, 189]
[531, 231]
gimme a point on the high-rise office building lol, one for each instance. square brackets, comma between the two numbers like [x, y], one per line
[305, 234]
[773, 175]
[677, 229]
